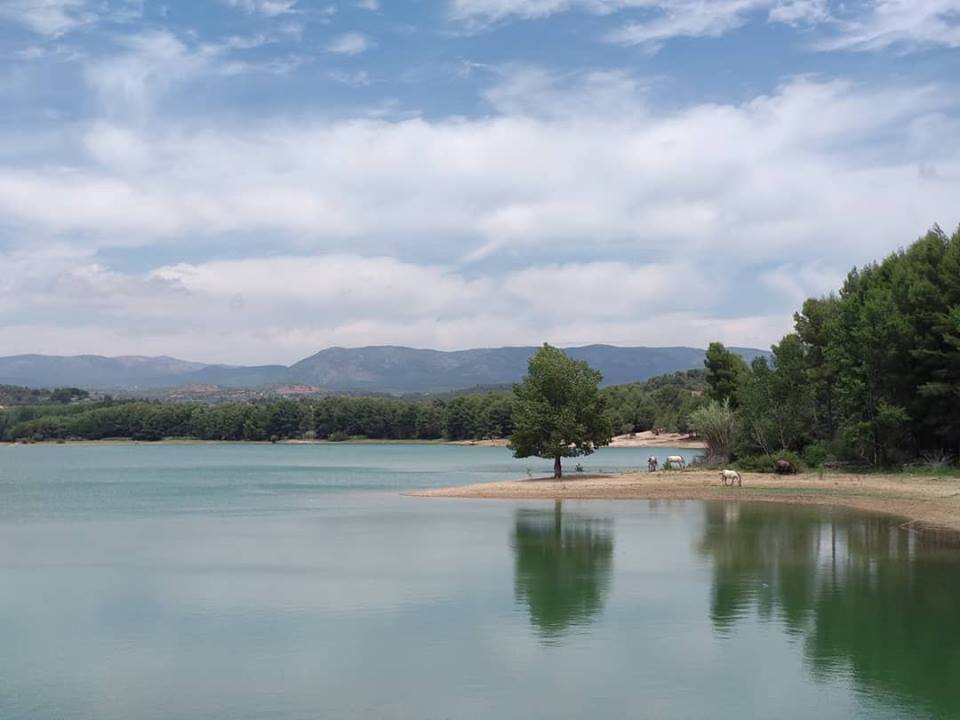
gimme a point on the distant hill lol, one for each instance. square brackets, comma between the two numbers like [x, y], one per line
[95, 371]
[382, 369]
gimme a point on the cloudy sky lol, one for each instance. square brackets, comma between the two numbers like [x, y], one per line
[252, 180]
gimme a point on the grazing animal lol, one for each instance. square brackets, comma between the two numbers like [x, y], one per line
[652, 464]
[785, 467]
[729, 477]
[674, 461]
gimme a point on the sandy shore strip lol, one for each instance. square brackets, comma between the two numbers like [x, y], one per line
[637, 440]
[932, 502]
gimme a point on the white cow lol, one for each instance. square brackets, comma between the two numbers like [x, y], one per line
[728, 477]
[652, 464]
[674, 461]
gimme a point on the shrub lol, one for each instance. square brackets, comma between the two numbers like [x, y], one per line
[717, 425]
[937, 459]
[767, 463]
[338, 436]
[815, 455]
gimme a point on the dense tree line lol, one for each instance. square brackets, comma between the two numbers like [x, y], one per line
[870, 374]
[663, 402]
[464, 417]
[17, 395]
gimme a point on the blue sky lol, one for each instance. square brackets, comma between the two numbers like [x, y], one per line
[252, 180]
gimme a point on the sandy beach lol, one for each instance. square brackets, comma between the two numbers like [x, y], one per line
[634, 440]
[926, 501]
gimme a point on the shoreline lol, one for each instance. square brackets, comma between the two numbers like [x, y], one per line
[191, 441]
[925, 501]
[674, 441]
[640, 440]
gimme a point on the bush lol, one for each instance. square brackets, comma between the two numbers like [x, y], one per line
[717, 425]
[815, 455]
[768, 463]
[338, 436]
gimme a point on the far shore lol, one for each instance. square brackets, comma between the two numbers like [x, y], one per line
[637, 440]
[922, 501]
[193, 441]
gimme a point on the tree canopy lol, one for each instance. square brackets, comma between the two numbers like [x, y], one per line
[558, 409]
[871, 374]
[725, 369]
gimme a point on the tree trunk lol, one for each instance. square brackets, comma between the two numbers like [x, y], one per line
[557, 469]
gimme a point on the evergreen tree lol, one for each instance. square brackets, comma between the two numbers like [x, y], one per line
[725, 371]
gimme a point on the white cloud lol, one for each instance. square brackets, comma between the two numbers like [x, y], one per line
[480, 11]
[866, 25]
[904, 23]
[352, 43]
[798, 282]
[793, 170]
[360, 78]
[54, 18]
[534, 92]
[270, 8]
[134, 80]
[688, 18]
[371, 5]
[572, 213]
[47, 17]
[800, 12]
[282, 308]
[149, 66]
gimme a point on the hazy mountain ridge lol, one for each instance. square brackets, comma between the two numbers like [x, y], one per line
[387, 369]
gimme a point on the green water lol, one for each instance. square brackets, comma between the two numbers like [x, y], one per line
[223, 582]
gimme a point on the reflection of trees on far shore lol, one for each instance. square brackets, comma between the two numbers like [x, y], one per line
[563, 566]
[868, 596]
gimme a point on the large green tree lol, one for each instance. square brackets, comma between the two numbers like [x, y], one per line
[558, 411]
[725, 371]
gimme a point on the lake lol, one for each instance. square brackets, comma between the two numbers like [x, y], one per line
[294, 581]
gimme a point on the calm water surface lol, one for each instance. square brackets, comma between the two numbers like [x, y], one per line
[248, 581]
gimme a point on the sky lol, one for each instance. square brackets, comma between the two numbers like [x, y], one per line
[250, 181]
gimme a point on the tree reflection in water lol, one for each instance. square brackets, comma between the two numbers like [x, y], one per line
[868, 596]
[563, 565]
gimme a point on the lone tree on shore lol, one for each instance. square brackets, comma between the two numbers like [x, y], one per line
[558, 411]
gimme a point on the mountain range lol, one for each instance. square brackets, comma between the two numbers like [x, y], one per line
[380, 369]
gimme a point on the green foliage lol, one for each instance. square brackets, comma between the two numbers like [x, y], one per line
[870, 375]
[562, 568]
[716, 424]
[855, 592]
[463, 416]
[767, 462]
[725, 371]
[469, 417]
[776, 405]
[16, 395]
[558, 409]
[816, 454]
[893, 350]
[663, 402]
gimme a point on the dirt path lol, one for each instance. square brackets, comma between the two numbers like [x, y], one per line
[928, 501]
